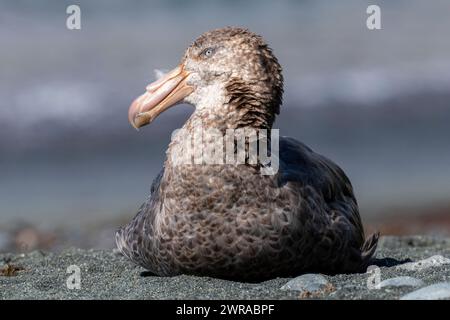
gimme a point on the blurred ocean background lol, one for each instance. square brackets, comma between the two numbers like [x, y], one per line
[72, 169]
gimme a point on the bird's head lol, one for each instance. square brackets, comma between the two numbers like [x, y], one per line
[230, 67]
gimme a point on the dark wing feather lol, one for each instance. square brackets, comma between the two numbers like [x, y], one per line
[137, 236]
[303, 167]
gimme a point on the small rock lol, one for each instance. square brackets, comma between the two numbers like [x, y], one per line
[10, 270]
[310, 285]
[434, 292]
[434, 261]
[27, 239]
[401, 282]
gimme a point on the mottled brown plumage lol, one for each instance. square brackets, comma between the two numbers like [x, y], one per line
[230, 221]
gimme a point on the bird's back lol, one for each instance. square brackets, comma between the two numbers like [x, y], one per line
[327, 193]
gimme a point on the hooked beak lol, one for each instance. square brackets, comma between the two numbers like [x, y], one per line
[161, 94]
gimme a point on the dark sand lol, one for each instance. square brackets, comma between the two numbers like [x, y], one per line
[105, 274]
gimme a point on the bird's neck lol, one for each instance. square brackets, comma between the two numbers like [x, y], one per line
[230, 116]
[234, 104]
[210, 139]
[220, 117]
[214, 117]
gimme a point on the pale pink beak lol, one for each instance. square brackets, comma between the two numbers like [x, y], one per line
[161, 94]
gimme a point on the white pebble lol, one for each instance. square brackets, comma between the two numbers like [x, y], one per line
[403, 281]
[434, 292]
[308, 282]
[434, 261]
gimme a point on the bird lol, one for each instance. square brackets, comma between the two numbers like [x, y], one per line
[230, 221]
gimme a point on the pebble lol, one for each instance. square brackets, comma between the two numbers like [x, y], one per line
[403, 281]
[434, 292]
[434, 261]
[310, 282]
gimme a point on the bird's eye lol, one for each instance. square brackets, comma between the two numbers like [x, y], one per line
[208, 52]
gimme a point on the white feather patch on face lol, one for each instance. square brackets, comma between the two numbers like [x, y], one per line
[208, 97]
[159, 73]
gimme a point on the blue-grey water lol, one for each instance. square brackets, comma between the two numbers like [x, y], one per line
[376, 102]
